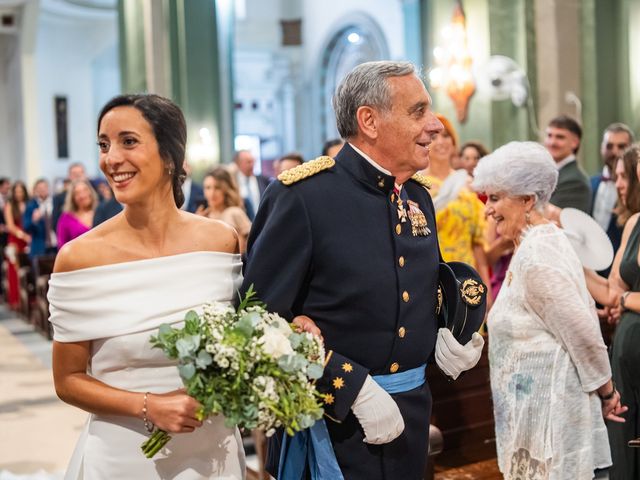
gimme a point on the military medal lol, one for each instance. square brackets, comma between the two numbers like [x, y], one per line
[418, 220]
[402, 212]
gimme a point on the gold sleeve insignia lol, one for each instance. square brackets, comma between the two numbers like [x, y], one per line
[347, 367]
[338, 383]
[306, 170]
[328, 399]
[422, 180]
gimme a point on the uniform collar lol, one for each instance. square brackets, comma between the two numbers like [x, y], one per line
[365, 169]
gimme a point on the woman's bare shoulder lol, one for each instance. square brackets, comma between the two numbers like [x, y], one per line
[210, 235]
[89, 250]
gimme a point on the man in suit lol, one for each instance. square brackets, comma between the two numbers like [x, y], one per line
[251, 186]
[37, 220]
[193, 194]
[75, 172]
[562, 140]
[351, 243]
[615, 140]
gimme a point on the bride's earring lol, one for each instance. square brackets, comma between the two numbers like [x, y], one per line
[527, 218]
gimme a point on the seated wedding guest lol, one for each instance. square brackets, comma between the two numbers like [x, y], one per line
[332, 147]
[550, 374]
[78, 211]
[17, 238]
[621, 293]
[113, 287]
[224, 203]
[470, 154]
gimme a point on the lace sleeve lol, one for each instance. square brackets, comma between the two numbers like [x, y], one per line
[556, 296]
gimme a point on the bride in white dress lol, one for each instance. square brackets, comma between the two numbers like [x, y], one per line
[114, 286]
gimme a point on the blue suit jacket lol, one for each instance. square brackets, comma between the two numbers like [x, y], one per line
[37, 230]
[195, 198]
[332, 247]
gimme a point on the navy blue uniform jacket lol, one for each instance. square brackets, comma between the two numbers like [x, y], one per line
[332, 247]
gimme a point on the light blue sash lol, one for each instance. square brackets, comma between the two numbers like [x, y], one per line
[403, 381]
[309, 447]
[313, 446]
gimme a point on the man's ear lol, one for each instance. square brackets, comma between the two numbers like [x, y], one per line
[575, 141]
[368, 121]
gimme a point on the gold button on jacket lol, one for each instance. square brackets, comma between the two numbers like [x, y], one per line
[401, 332]
[405, 296]
[394, 367]
[401, 261]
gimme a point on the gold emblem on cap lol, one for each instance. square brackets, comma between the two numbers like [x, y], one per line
[472, 292]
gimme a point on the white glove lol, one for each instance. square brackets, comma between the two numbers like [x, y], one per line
[453, 358]
[377, 413]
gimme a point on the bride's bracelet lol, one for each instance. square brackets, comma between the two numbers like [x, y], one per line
[147, 424]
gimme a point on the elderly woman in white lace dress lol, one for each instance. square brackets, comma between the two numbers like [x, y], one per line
[550, 374]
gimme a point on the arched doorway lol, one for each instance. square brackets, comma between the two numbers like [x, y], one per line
[357, 40]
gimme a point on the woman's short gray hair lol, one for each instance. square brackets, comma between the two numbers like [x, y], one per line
[365, 85]
[518, 168]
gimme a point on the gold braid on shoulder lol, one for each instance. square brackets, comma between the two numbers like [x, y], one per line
[422, 180]
[306, 170]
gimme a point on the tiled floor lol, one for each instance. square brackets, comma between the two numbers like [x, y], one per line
[37, 430]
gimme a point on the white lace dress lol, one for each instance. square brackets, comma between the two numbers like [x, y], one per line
[118, 307]
[546, 355]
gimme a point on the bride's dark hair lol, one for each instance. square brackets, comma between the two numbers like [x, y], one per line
[169, 128]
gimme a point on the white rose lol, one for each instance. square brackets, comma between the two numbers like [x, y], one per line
[281, 324]
[274, 343]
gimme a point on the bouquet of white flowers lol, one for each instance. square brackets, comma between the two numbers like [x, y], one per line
[249, 365]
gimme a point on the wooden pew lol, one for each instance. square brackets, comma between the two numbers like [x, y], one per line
[40, 311]
[25, 285]
[463, 411]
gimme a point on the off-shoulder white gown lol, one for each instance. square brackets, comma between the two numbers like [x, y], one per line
[118, 307]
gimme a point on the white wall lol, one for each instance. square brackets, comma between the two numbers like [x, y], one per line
[11, 140]
[259, 34]
[74, 59]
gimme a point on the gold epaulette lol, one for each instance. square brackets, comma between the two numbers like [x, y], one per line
[306, 170]
[422, 180]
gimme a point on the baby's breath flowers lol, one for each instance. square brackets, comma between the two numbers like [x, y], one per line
[248, 365]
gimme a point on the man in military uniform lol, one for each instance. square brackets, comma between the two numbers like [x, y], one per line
[352, 244]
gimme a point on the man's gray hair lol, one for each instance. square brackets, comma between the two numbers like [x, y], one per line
[518, 168]
[365, 85]
[619, 127]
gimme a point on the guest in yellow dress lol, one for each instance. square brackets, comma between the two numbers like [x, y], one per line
[459, 213]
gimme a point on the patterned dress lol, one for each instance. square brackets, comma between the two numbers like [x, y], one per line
[547, 358]
[461, 225]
